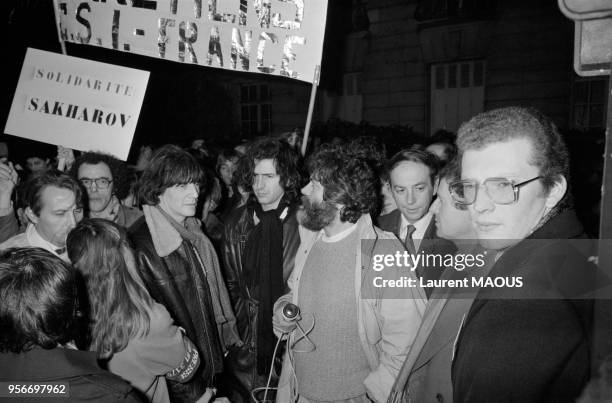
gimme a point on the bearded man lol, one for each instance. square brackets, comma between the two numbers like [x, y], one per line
[351, 341]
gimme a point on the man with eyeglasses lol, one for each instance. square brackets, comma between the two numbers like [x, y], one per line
[53, 209]
[530, 342]
[426, 373]
[106, 181]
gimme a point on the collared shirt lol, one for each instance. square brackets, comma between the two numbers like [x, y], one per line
[421, 227]
[37, 241]
[31, 238]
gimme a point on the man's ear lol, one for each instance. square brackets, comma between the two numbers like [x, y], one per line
[31, 216]
[556, 192]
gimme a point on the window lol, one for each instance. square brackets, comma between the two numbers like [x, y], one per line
[255, 110]
[589, 103]
[457, 93]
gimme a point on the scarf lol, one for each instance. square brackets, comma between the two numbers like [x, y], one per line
[168, 235]
[263, 264]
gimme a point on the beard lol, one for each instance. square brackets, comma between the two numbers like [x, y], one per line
[316, 215]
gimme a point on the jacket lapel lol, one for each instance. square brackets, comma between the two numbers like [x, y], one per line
[424, 347]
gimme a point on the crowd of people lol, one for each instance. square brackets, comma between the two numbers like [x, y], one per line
[249, 273]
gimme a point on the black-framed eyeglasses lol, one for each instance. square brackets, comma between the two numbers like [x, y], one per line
[101, 183]
[500, 190]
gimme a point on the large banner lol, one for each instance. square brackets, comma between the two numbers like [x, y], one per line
[277, 37]
[77, 103]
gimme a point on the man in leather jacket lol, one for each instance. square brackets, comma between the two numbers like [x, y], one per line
[258, 247]
[179, 266]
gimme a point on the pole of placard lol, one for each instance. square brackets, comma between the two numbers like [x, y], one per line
[313, 95]
[61, 161]
[605, 223]
[602, 311]
[57, 26]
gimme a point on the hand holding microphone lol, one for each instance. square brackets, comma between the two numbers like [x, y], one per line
[285, 318]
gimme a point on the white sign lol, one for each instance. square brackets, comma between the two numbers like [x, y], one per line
[77, 103]
[276, 37]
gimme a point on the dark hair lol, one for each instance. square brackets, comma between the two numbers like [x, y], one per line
[347, 178]
[549, 152]
[420, 155]
[446, 139]
[132, 181]
[36, 149]
[119, 171]
[169, 166]
[39, 300]
[243, 176]
[215, 190]
[451, 171]
[286, 162]
[226, 155]
[370, 149]
[118, 299]
[35, 186]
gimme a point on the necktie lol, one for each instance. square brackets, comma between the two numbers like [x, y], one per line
[408, 242]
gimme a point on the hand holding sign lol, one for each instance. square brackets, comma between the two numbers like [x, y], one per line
[65, 158]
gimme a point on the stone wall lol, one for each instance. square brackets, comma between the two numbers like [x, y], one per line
[528, 62]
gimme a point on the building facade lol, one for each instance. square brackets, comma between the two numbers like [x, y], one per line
[432, 64]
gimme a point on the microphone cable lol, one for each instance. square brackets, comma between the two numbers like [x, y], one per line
[291, 313]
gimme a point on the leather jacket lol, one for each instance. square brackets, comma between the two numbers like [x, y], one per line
[177, 281]
[239, 224]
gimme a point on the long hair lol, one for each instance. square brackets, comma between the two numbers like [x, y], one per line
[287, 163]
[118, 299]
[169, 166]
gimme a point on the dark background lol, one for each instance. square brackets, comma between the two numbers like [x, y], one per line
[182, 101]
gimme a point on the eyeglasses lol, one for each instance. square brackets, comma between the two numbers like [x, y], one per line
[500, 190]
[101, 183]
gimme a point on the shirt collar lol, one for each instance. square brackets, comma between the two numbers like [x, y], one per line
[421, 226]
[35, 240]
[339, 236]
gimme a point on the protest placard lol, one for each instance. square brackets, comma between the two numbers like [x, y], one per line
[77, 103]
[276, 37]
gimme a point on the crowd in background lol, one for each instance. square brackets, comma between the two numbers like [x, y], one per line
[167, 271]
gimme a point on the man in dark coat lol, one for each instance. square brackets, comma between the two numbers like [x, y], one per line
[179, 266]
[413, 175]
[426, 373]
[259, 244]
[526, 337]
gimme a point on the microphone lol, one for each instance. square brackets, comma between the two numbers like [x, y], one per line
[291, 312]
